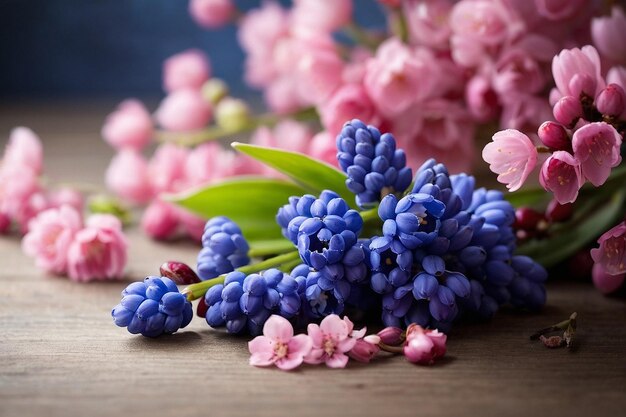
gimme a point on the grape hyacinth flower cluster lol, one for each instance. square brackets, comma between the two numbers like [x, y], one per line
[373, 164]
[223, 248]
[439, 252]
[152, 307]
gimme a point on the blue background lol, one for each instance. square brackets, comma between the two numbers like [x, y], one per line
[67, 48]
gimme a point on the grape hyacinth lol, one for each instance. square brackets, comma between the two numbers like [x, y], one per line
[152, 307]
[223, 248]
[373, 164]
[244, 302]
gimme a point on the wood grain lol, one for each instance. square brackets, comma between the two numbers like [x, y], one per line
[60, 354]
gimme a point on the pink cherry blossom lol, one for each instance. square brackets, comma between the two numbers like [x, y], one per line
[189, 69]
[212, 14]
[320, 73]
[160, 220]
[604, 282]
[50, 236]
[166, 169]
[184, 110]
[399, 76]
[278, 346]
[427, 21]
[561, 174]
[349, 102]
[98, 252]
[321, 15]
[611, 255]
[511, 155]
[331, 342]
[129, 126]
[483, 21]
[30, 208]
[608, 34]
[597, 148]
[575, 61]
[24, 150]
[424, 346]
[558, 9]
[127, 176]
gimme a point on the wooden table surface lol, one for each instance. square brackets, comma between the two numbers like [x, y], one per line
[60, 354]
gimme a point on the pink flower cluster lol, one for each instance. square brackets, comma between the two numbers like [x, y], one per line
[61, 244]
[334, 341]
[584, 142]
[22, 193]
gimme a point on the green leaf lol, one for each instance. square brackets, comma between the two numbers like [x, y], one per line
[535, 197]
[600, 215]
[315, 176]
[251, 202]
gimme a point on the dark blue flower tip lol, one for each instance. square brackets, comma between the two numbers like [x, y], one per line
[373, 164]
[152, 308]
[224, 248]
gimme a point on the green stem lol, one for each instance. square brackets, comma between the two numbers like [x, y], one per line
[198, 137]
[195, 291]
[263, 248]
[369, 215]
[288, 266]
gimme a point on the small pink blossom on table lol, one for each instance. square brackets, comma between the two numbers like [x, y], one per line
[129, 126]
[50, 236]
[278, 346]
[24, 150]
[366, 347]
[127, 176]
[423, 346]
[512, 155]
[331, 342]
[99, 251]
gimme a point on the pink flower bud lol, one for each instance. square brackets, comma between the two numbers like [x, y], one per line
[186, 70]
[557, 212]
[184, 110]
[50, 236]
[129, 126]
[98, 252]
[160, 220]
[611, 101]
[179, 272]
[561, 174]
[424, 346]
[567, 110]
[597, 147]
[127, 176]
[24, 150]
[212, 14]
[391, 336]
[605, 282]
[365, 349]
[582, 84]
[611, 254]
[554, 136]
[608, 34]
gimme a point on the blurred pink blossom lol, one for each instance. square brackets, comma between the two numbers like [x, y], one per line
[278, 346]
[189, 69]
[208, 162]
[30, 208]
[17, 185]
[597, 148]
[482, 100]
[611, 255]
[608, 35]
[160, 220]
[558, 9]
[127, 176]
[486, 22]
[331, 341]
[349, 102]
[321, 15]
[424, 346]
[399, 76]
[129, 126]
[66, 196]
[184, 110]
[166, 169]
[427, 21]
[561, 174]
[617, 75]
[323, 147]
[192, 224]
[98, 252]
[517, 70]
[49, 238]
[320, 74]
[511, 155]
[24, 150]
[5, 223]
[212, 14]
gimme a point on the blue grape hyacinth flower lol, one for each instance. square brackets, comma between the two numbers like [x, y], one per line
[373, 164]
[152, 307]
[223, 248]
